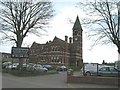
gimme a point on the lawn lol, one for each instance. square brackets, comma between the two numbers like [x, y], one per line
[27, 73]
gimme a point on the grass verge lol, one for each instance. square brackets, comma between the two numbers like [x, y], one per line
[75, 68]
[27, 73]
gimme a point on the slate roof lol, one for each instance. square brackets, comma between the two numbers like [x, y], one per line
[77, 24]
[56, 41]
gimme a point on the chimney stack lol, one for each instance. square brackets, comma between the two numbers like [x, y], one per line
[66, 38]
[70, 39]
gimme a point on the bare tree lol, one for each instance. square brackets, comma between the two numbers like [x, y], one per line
[18, 19]
[103, 21]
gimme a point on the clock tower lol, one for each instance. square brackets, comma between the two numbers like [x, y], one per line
[77, 31]
[77, 41]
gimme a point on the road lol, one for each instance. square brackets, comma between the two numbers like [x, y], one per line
[0, 80]
[46, 81]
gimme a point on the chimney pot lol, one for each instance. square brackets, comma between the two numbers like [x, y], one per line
[66, 38]
[70, 39]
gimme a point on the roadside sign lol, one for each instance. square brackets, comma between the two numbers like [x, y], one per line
[22, 52]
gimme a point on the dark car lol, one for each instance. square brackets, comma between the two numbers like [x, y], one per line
[61, 68]
[49, 67]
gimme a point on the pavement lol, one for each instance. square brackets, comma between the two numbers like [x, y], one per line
[44, 81]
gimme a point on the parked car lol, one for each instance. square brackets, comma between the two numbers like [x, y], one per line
[93, 68]
[108, 71]
[36, 67]
[61, 68]
[39, 67]
[105, 71]
[12, 66]
[117, 64]
[24, 66]
[30, 67]
[4, 64]
[49, 67]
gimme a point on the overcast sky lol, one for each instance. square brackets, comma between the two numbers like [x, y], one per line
[60, 26]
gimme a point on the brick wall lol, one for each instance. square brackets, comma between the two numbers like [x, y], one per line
[94, 80]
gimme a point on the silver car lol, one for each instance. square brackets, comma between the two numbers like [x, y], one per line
[12, 66]
[105, 71]
[36, 67]
[108, 71]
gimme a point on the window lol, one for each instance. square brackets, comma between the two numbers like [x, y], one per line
[52, 48]
[76, 39]
[42, 48]
[52, 60]
[57, 57]
[112, 69]
[57, 61]
[104, 69]
[61, 61]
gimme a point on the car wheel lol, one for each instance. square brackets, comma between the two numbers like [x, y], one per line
[45, 71]
[88, 74]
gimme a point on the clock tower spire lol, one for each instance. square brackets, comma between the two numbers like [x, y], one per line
[77, 41]
[77, 31]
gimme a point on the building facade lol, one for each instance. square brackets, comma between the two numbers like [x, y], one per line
[4, 56]
[59, 51]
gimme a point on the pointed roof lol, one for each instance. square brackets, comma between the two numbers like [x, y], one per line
[77, 24]
[56, 39]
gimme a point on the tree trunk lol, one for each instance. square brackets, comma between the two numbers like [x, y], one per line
[118, 56]
[118, 53]
[19, 44]
[20, 64]
[19, 41]
[119, 50]
[118, 46]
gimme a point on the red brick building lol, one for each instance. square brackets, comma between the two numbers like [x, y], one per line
[60, 51]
